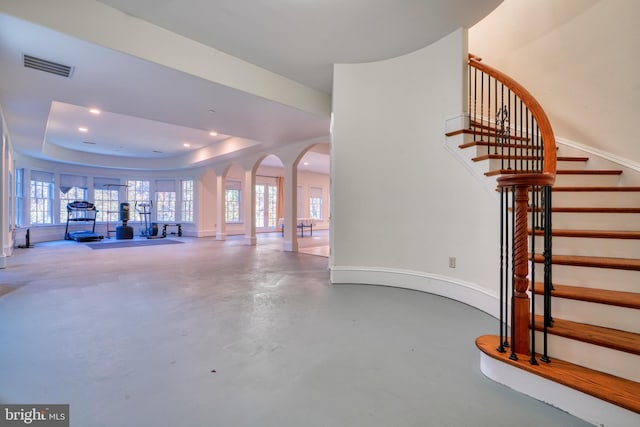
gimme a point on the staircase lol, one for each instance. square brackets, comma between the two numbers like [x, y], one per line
[569, 250]
[595, 338]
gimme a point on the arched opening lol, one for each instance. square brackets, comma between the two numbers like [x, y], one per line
[313, 199]
[269, 194]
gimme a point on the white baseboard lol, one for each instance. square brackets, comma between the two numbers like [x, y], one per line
[448, 287]
[581, 405]
[206, 233]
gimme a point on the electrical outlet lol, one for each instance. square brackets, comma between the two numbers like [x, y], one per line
[452, 262]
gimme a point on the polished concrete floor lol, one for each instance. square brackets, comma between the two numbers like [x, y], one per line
[211, 333]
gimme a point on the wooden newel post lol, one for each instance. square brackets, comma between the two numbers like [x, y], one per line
[521, 304]
[521, 185]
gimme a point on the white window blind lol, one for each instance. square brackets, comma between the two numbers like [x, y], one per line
[67, 182]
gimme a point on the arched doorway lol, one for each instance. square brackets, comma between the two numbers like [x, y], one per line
[313, 199]
[269, 194]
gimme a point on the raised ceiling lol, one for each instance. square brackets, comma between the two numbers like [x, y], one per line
[166, 73]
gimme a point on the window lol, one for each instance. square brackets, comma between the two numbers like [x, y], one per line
[260, 207]
[138, 192]
[41, 209]
[186, 201]
[106, 198]
[166, 200]
[19, 197]
[315, 203]
[232, 202]
[72, 188]
[166, 206]
[272, 211]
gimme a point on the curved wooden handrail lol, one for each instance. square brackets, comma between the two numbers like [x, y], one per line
[526, 179]
[548, 138]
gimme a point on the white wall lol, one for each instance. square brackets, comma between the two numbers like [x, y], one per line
[578, 58]
[401, 204]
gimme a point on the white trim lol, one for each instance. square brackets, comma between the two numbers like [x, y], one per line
[464, 156]
[206, 233]
[576, 403]
[605, 155]
[448, 287]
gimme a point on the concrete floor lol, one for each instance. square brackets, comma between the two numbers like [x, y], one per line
[211, 333]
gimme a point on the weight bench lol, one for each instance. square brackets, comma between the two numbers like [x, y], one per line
[164, 229]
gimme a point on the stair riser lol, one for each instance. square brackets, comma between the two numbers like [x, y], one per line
[571, 180]
[622, 318]
[618, 363]
[469, 137]
[595, 221]
[611, 199]
[481, 150]
[582, 246]
[590, 277]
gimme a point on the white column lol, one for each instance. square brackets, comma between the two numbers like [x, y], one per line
[4, 200]
[249, 207]
[290, 243]
[221, 226]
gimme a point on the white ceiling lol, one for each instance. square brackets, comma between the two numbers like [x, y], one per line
[149, 111]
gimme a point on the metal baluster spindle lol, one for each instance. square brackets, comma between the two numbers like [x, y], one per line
[547, 271]
[503, 319]
[532, 359]
[513, 355]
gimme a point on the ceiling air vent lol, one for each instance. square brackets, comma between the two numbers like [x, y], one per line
[47, 66]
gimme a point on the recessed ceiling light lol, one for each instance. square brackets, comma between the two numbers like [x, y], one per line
[94, 111]
[83, 129]
[186, 144]
[306, 163]
[213, 133]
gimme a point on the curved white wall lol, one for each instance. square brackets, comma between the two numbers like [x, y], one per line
[402, 205]
[578, 58]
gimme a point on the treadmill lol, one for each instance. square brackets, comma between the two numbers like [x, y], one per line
[81, 211]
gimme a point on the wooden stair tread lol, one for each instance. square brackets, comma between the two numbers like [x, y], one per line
[588, 261]
[597, 189]
[589, 172]
[600, 296]
[484, 133]
[558, 172]
[526, 158]
[618, 391]
[615, 339]
[596, 209]
[524, 146]
[595, 234]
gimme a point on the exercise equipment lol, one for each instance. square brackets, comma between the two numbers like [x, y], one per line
[124, 231]
[120, 193]
[150, 230]
[85, 212]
